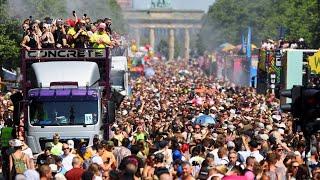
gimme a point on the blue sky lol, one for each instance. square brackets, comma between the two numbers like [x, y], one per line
[177, 4]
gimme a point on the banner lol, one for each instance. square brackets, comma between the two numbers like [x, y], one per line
[314, 63]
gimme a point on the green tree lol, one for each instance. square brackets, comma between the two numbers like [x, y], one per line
[10, 37]
[227, 19]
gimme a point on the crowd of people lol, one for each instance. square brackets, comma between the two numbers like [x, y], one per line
[270, 44]
[177, 124]
[70, 33]
[157, 135]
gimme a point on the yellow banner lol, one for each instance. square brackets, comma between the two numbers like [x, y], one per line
[314, 62]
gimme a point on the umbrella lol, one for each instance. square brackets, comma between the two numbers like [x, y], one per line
[205, 120]
[225, 45]
[228, 48]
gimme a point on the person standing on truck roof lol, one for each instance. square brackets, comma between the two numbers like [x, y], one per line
[100, 38]
[31, 40]
[57, 146]
[47, 39]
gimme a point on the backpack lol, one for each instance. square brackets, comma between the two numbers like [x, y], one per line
[19, 165]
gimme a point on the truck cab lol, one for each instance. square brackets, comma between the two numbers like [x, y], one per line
[67, 92]
[119, 75]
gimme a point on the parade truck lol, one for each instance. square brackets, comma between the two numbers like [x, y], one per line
[65, 91]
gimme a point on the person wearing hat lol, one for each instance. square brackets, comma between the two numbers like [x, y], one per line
[42, 158]
[27, 150]
[18, 161]
[100, 39]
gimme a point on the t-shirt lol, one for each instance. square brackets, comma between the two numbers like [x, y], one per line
[74, 174]
[67, 161]
[120, 153]
[103, 36]
[57, 149]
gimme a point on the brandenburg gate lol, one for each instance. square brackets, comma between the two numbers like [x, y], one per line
[156, 22]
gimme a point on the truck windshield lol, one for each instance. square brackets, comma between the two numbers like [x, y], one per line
[63, 113]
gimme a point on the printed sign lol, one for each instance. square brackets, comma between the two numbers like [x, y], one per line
[314, 63]
[65, 53]
[88, 119]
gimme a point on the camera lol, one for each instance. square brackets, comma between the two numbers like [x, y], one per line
[74, 13]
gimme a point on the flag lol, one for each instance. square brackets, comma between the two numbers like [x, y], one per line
[248, 54]
[248, 48]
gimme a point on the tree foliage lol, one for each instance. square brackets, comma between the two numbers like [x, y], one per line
[226, 20]
[10, 37]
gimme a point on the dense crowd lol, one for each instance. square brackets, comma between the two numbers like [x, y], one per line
[177, 124]
[159, 134]
[70, 33]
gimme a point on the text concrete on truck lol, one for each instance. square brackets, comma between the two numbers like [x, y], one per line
[65, 91]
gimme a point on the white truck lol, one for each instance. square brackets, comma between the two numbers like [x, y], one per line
[67, 91]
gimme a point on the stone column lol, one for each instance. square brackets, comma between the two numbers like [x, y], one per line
[186, 43]
[171, 44]
[152, 37]
[137, 36]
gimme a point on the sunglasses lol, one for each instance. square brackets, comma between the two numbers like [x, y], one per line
[65, 148]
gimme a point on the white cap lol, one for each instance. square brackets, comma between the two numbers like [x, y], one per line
[261, 125]
[17, 143]
[53, 167]
[269, 127]
[224, 126]
[124, 112]
[231, 127]
[70, 143]
[264, 137]
[231, 144]
[276, 117]
[215, 136]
